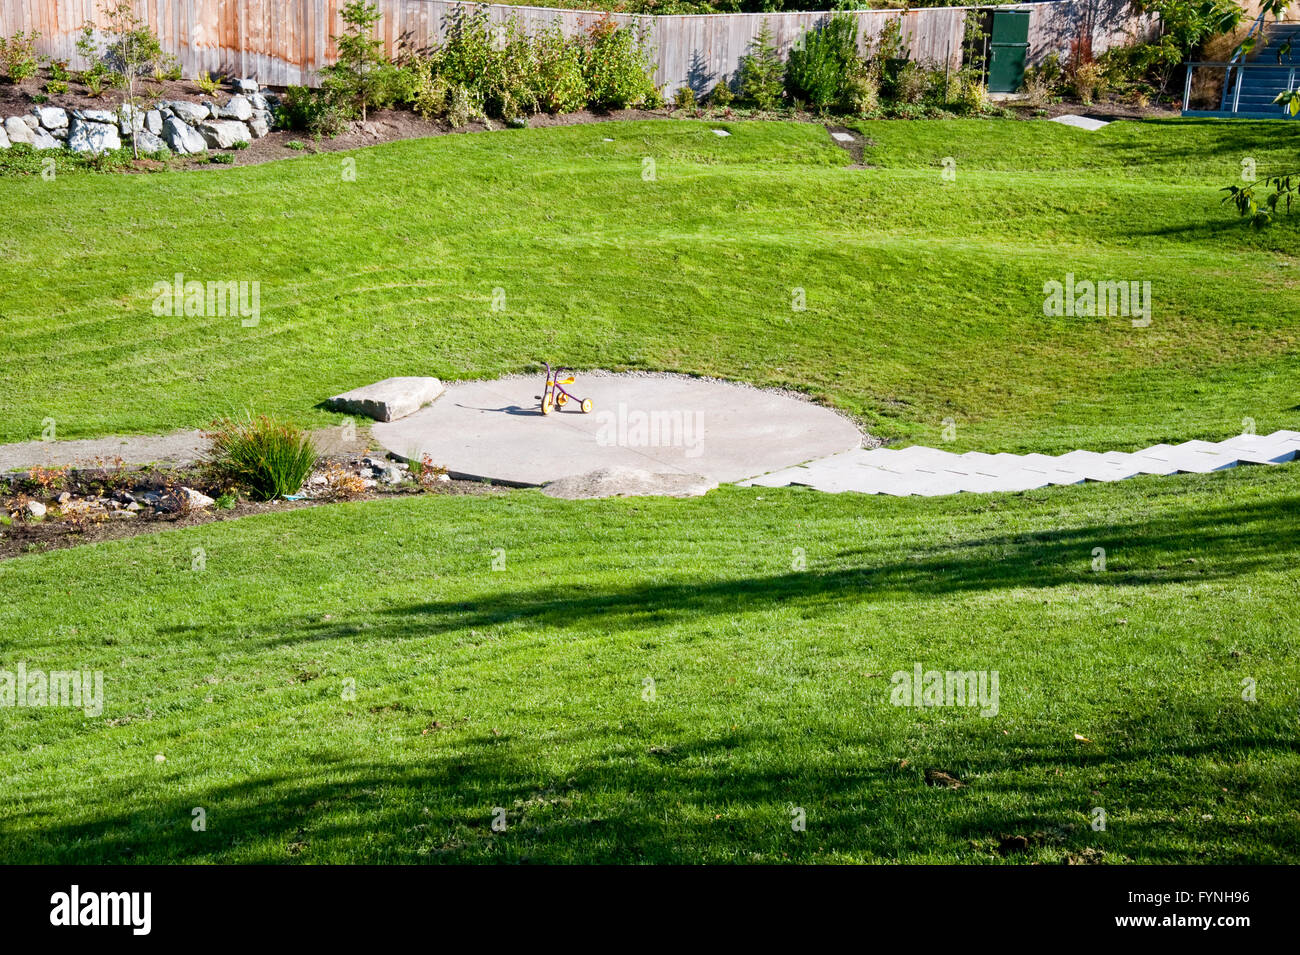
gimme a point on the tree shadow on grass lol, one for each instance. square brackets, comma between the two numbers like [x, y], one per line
[729, 796]
[1197, 546]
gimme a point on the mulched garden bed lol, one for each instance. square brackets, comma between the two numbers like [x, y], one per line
[88, 505]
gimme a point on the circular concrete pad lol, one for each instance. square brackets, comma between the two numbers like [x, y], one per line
[662, 424]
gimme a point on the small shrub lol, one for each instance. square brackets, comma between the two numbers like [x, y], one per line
[463, 107]
[18, 56]
[910, 83]
[343, 485]
[56, 87]
[222, 159]
[95, 83]
[295, 144]
[974, 94]
[721, 96]
[862, 94]
[427, 474]
[432, 94]
[59, 70]
[208, 83]
[312, 112]
[762, 74]
[684, 98]
[271, 458]
[1089, 81]
[1037, 89]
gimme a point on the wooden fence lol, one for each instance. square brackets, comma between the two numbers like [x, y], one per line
[282, 42]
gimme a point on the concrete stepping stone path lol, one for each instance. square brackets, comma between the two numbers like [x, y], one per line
[930, 471]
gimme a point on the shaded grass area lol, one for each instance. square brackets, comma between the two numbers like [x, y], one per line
[770, 625]
[924, 298]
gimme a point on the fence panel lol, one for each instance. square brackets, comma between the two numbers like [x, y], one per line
[283, 42]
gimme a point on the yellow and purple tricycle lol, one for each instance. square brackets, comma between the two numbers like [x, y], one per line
[554, 394]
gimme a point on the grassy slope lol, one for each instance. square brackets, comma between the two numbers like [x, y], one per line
[772, 684]
[924, 299]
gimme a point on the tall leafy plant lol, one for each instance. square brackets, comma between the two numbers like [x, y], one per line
[762, 74]
[356, 75]
[132, 51]
[819, 68]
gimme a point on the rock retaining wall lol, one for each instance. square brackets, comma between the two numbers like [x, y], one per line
[175, 126]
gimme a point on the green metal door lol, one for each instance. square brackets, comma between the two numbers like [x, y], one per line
[1008, 49]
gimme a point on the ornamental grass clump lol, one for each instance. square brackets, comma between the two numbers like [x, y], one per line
[271, 458]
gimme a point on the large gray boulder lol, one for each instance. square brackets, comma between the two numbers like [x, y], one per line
[4, 138]
[19, 132]
[181, 137]
[189, 112]
[153, 121]
[238, 108]
[389, 399]
[129, 117]
[95, 115]
[148, 142]
[246, 86]
[224, 134]
[94, 138]
[51, 117]
[43, 140]
[258, 127]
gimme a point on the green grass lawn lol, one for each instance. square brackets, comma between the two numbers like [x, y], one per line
[924, 298]
[523, 688]
[358, 683]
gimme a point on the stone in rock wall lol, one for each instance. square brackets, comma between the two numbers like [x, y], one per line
[19, 132]
[238, 108]
[51, 117]
[90, 137]
[148, 142]
[153, 122]
[246, 86]
[182, 138]
[4, 137]
[43, 140]
[224, 134]
[127, 117]
[188, 112]
[95, 115]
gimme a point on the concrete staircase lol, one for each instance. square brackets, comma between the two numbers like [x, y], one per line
[1264, 76]
[930, 471]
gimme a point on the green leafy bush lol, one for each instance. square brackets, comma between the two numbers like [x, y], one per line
[560, 84]
[18, 57]
[762, 74]
[684, 98]
[862, 94]
[910, 83]
[721, 96]
[819, 68]
[271, 458]
[313, 112]
[616, 64]
[500, 77]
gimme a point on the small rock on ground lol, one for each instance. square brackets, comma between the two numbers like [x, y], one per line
[628, 482]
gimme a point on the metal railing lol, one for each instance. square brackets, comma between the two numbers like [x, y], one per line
[1231, 92]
